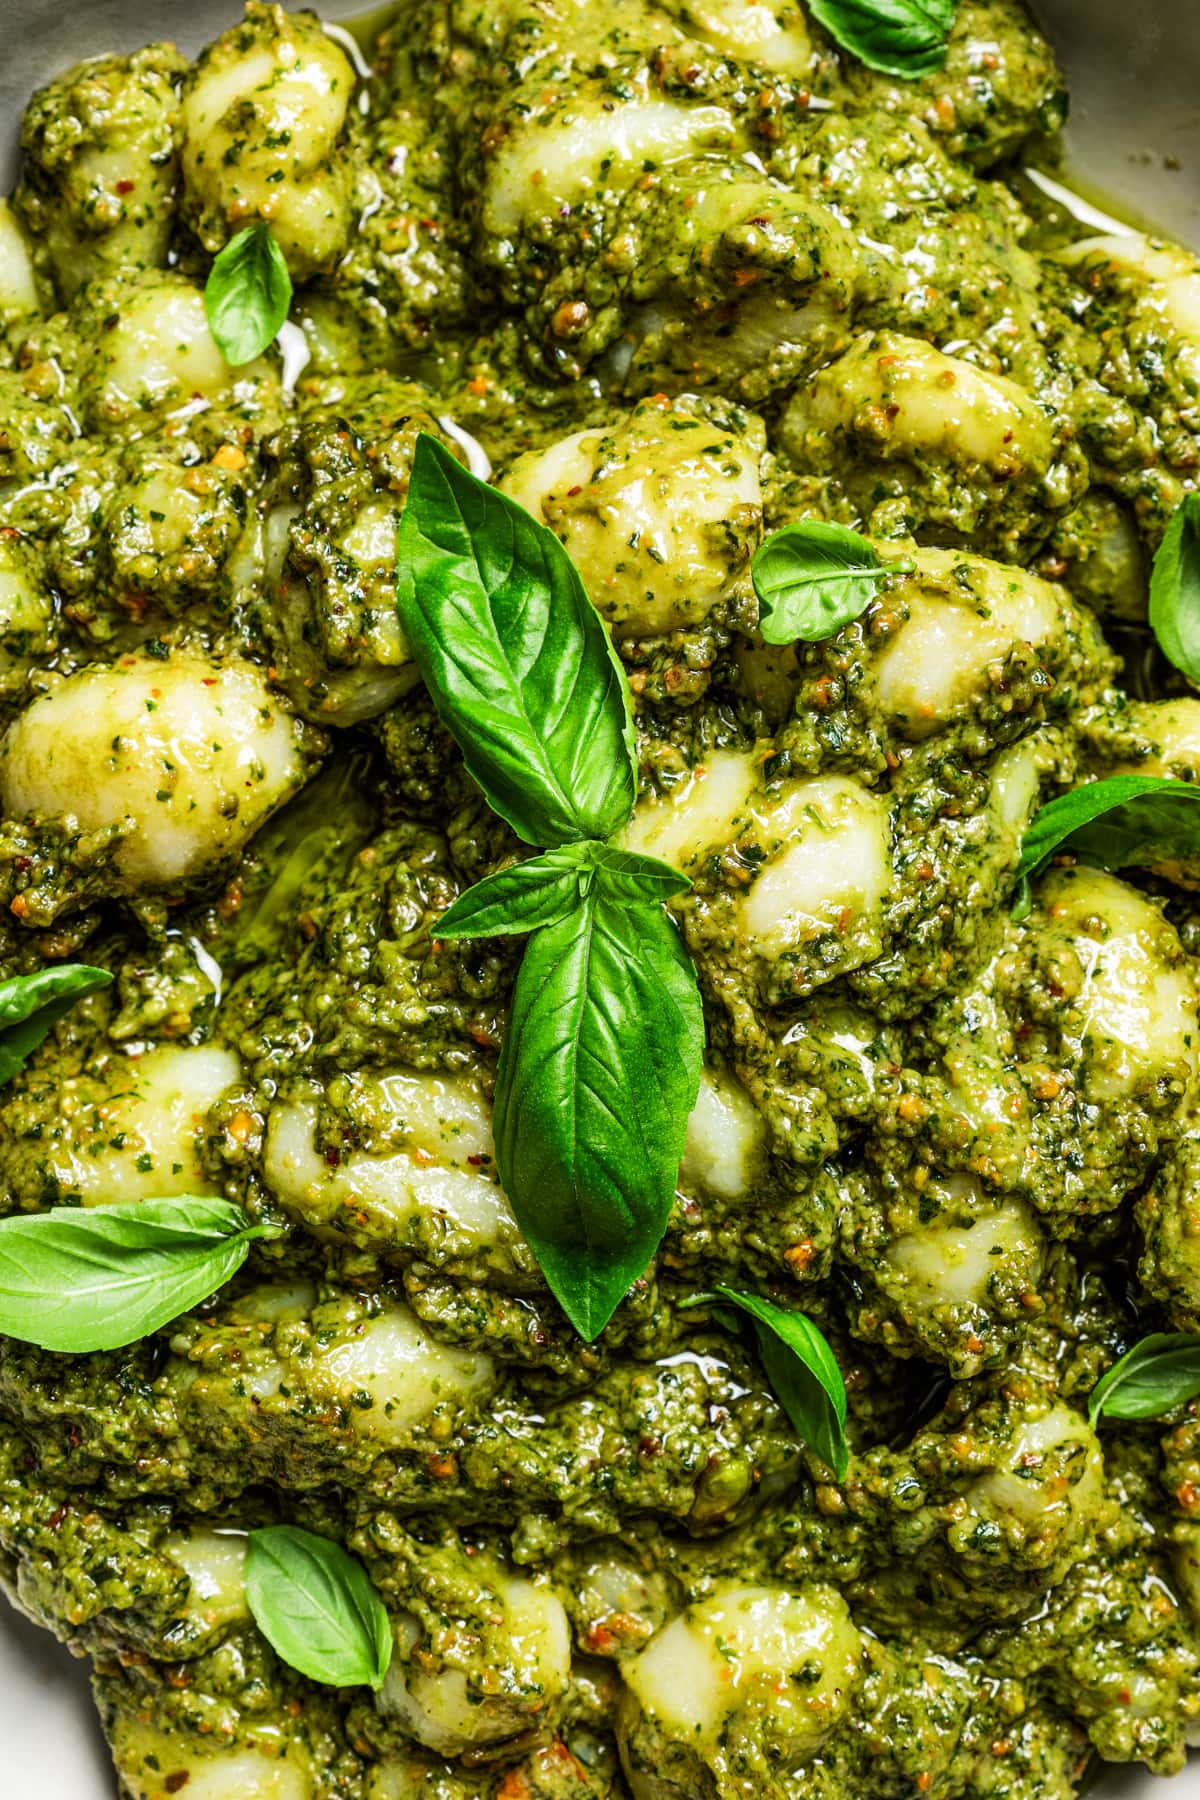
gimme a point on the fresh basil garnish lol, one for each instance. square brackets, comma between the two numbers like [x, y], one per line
[517, 659]
[599, 1070]
[802, 1370]
[1175, 590]
[812, 578]
[31, 1005]
[897, 37]
[248, 294]
[1128, 819]
[317, 1608]
[546, 888]
[99, 1277]
[1160, 1372]
[600, 1064]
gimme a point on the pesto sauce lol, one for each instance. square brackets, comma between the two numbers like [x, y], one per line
[679, 275]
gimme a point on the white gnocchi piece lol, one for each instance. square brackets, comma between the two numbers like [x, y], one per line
[191, 755]
[1169, 738]
[443, 1164]
[1022, 1496]
[26, 608]
[640, 507]
[588, 148]
[393, 1362]
[528, 1663]
[157, 1765]
[1139, 1009]
[263, 111]
[725, 1147]
[1165, 277]
[964, 616]
[138, 1132]
[822, 850]
[771, 34]
[215, 1565]
[749, 1662]
[18, 283]
[902, 397]
[953, 1264]
[151, 352]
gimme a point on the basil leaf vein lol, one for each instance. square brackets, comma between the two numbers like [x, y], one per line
[898, 37]
[31, 1005]
[546, 888]
[1175, 589]
[248, 294]
[598, 1073]
[1127, 819]
[1160, 1372]
[77, 1279]
[317, 1607]
[515, 656]
[812, 578]
[803, 1372]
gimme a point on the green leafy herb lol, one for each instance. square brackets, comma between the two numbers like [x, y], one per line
[31, 1005]
[812, 578]
[547, 888]
[599, 1071]
[95, 1278]
[1175, 590]
[247, 294]
[517, 659]
[317, 1608]
[1128, 819]
[1161, 1372]
[899, 37]
[802, 1370]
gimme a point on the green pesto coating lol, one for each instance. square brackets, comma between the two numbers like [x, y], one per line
[678, 274]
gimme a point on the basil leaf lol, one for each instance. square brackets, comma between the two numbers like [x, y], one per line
[538, 892]
[515, 656]
[98, 1277]
[1142, 819]
[812, 578]
[803, 1371]
[1175, 590]
[316, 1607]
[247, 294]
[599, 1070]
[1161, 1372]
[632, 880]
[546, 888]
[897, 37]
[31, 1006]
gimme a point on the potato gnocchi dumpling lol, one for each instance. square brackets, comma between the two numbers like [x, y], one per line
[262, 120]
[189, 756]
[660, 515]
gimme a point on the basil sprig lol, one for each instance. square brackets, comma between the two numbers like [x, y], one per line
[96, 1278]
[1160, 1372]
[802, 1371]
[31, 1005]
[317, 1608]
[898, 37]
[1175, 590]
[600, 1064]
[1126, 820]
[248, 294]
[515, 656]
[812, 578]
[546, 888]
